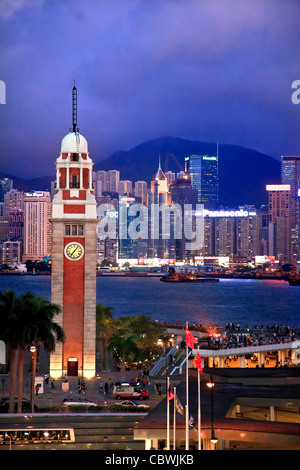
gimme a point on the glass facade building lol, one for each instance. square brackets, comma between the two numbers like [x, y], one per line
[203, 171]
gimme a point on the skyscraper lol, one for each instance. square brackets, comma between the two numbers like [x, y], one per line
[159, 182]
[140, 191]
[290, 174]
[183, 194]
[159, 244]
[37, 228]
[280, 243]
[203, 171]
[131, 245]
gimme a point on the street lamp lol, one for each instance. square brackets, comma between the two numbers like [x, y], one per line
[32, 349]
[211, 385]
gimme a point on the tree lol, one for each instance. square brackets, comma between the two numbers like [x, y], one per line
[134, 338]
[10, 334]
[26, 321]
[104, 317]
[125, 348]
[39, 328]
[148, 332]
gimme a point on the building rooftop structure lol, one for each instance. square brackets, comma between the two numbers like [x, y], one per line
[246, 416]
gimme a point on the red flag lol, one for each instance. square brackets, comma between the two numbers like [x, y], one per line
[198, 363]
[190, 340]
[170, 394]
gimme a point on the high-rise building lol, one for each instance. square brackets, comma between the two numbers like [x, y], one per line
[247, 235]
[170, 175]
[6, 184]
[140, 191]
[16, 223]
[203, 171]
[182, 192]
[280, 202]
[4, 228]
[14, 210]
[112, 178]
[224, 236]
[13, 199]
[185, 195]
[125, 187]
[159, 244]
[131, 245]
[106, 181]
[37, 227]
[290, 174]
[12, 252]
[159, 182]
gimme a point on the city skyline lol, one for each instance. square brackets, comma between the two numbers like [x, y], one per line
[249, 234]
[196, 71]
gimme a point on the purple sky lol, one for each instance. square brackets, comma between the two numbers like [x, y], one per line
[197, 69]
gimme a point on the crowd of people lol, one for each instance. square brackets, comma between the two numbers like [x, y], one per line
[233, 336]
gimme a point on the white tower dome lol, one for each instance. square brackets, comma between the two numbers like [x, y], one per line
[74, 143]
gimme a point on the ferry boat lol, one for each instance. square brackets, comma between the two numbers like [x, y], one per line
[173, 276]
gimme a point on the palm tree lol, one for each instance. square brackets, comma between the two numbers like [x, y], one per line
[10, 334]
[104, 317]
[39, 328]
[25, 321]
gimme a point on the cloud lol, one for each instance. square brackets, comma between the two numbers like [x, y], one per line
[195, 69]
[9, 7]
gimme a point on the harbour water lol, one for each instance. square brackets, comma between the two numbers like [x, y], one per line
[247, 302]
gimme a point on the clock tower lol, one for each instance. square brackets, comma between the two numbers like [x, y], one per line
[73, 276]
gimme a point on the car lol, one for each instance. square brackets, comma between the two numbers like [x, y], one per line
[131, 403]
[129, 391]
[26, 406]
[78, 402]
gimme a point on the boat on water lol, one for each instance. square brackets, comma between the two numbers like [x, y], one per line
[173, 276]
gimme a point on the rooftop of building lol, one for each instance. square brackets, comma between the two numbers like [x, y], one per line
[228, 394]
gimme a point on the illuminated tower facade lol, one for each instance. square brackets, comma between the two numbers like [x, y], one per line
[73, 279]
[203, 171]
[280, 240]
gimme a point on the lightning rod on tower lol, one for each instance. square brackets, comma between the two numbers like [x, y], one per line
[74, 109]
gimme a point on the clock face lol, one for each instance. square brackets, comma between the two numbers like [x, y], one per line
[74, 251]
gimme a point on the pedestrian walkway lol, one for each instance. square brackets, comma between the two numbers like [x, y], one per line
[53, 397]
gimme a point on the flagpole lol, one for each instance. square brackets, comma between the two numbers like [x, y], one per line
[168, 414]
[199, 409]
[174, 421]
[187, 443]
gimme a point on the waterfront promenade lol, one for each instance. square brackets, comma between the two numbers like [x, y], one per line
[232, 346]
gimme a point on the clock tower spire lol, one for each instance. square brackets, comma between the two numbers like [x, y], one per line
[73, 276]
[74, 108]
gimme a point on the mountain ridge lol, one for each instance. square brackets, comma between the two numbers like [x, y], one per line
[239, 167]
[243, 172]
